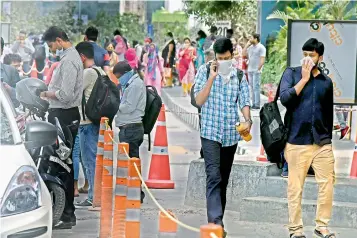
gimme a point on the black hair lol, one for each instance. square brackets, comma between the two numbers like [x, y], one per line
[117, 32]
[313, 44]
[92, 33]
[201, 34]
[107, 44]
[213, 29]
[186, 38]
[170, 34]
[230, 31]
[54, 32]
[256, 36]
[23, 32]
[9, 58]
[135, 42]
[2, 44]
[122, 68]
[222, 45]
[86, 49]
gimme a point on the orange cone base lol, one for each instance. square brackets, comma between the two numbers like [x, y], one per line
[262, 158]
[163, 184]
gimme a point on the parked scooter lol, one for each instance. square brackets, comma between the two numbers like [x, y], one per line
[52, 161]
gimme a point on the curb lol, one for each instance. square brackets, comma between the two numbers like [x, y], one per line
[189, 118]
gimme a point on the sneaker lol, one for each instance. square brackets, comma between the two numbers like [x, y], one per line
[320, 235]
[285, 174]
[297, 236]
[73, 221]
[62, 226]
[85, 203]
[344, 132]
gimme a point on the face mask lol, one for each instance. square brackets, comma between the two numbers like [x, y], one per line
[224, 68]
[125, 78]
[59, 52]
[187, 45]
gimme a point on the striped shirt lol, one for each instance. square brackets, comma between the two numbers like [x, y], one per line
[219, 113]
[67, 81]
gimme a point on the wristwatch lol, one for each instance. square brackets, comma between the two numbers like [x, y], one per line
[250, 121]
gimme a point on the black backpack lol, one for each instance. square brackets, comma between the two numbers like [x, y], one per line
[192, 94]
[152, 110]
[103, 102]
[273, 131]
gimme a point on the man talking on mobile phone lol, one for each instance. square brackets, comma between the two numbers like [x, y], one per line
[307, 94]
[219, 91]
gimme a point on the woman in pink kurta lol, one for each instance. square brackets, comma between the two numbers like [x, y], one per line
[186, 66]
[154, 68]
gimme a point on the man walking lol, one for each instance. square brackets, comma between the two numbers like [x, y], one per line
[65, 95]
[101, 56]
[25, 49]
[131, 109]
[218, 95]
[255, 52]
[88, 132]
[307, 95]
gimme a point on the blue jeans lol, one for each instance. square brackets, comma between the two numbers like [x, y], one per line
[88, 139]
[218, 164]
[254, 83]
[76, 157]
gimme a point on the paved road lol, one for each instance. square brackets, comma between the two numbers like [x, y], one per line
[184, 147]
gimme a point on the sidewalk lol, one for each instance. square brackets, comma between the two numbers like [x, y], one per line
[181, 107]
[183, 148]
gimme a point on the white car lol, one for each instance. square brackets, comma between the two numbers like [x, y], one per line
[25, 203]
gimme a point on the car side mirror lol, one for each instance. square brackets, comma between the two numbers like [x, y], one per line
[40, 133]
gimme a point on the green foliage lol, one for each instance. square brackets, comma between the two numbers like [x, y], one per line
[179, 30]
[332, 10]
[242, 14]
[25, 15]
[129, 25]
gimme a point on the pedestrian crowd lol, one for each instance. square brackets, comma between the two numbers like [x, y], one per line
[223, 77]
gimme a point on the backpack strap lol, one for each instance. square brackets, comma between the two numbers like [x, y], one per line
[83, 106]
[96, 70]
[277, 94]
[84, 98]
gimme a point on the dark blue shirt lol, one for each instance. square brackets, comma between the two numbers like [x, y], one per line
[101, 56]
[312, 111]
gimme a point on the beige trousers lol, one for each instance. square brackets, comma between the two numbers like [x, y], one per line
[299, 158]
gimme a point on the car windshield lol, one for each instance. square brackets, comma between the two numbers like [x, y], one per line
[6, 137]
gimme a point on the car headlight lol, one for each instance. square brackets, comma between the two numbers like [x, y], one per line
[23, 194]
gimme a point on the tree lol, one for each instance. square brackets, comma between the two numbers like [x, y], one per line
[339, 10]
[242, 14]
[25, 15]
[129, 24]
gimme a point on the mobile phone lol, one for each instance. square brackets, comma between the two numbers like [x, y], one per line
[215, 59]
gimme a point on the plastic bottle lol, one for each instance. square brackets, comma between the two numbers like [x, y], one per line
[240, 127]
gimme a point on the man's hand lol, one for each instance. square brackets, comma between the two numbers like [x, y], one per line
[246, 128]
[306, 69]
[213, 69]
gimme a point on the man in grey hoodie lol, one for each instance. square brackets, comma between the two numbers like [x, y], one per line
[25, 49]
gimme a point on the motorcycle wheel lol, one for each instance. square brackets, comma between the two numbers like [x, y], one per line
[58, 197]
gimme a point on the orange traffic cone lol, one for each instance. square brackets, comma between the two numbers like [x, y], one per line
[353, 173]
[159, 173]
[34, 70]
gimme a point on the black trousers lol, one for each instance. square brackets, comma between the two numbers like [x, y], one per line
[218, 164]
[199, 121]
[66, 117]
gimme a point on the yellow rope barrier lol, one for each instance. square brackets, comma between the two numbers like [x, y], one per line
[155, 201]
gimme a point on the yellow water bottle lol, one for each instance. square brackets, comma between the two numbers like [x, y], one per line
[240, 127]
